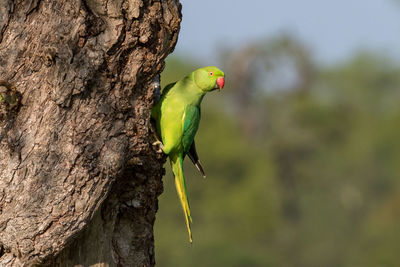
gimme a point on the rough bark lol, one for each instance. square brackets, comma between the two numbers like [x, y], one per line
[79, 179]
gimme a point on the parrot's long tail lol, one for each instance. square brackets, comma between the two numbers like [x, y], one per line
[177, 168]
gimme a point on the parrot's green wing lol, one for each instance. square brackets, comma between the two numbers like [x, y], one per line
[190, 125]
[191, 120]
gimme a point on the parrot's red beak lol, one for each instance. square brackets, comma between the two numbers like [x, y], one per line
[220, 82]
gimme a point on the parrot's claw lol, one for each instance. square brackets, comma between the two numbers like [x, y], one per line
[159, 145]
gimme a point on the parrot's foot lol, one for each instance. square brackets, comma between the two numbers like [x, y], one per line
[159, 145]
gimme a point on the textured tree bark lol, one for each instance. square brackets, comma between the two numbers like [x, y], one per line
[78, 179]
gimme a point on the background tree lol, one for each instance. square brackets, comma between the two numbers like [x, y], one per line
[78, 179]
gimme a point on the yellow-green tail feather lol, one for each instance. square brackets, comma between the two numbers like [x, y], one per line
[177, 168]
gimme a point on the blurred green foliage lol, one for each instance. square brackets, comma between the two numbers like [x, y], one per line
[302, 164]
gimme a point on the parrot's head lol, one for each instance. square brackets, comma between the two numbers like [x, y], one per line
[209, 78]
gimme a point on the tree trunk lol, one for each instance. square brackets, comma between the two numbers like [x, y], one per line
[79, 179]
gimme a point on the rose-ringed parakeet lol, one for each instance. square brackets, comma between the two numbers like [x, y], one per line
[177, 118]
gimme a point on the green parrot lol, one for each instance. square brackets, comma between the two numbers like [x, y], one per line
[177, 118]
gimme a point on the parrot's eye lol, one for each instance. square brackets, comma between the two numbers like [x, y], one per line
[211, 73]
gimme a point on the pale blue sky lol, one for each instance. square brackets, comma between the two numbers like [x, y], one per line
[333, 29]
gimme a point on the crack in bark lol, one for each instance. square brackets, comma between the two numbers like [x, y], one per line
[9, 9]
[33, 5]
